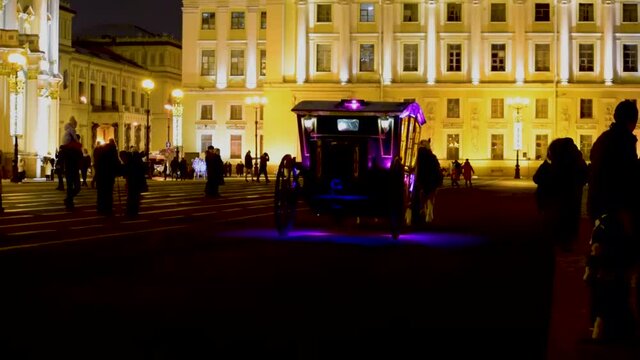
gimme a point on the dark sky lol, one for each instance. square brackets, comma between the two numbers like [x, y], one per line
[157, 16]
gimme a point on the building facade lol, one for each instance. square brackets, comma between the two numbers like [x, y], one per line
[103, 71]
[497, 80]
[29, 82]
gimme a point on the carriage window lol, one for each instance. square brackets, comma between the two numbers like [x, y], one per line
[348, 124]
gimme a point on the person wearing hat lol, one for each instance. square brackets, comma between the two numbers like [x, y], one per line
[613, 204]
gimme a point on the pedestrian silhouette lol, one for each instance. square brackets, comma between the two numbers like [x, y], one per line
[107, 167]
[248, 166]
[214, 172]
[85, 165]
[456, 170]
[467, 173]
[613, 205]
[133, 170]
[427, 180]
[264, 158]
[71, 152]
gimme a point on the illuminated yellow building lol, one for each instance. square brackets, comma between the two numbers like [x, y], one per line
[103, 71]
[497, 80]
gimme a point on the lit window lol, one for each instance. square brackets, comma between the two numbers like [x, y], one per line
[263, 20]
[208, 21]
[629, 57]
[498, 12]
[366, 57]
[542, 57]
[410, 13]
[498, 54]
[542, 143]
[208, 63]
[585, 53]
[585, 12]
[366, 12]
[263, 62]
[586, 108]
[237, 63]
[323, 13]
[542, 108]
[206, 112]
[235, 145]
[497, 108]
[453, 146]
[206, 140]
[453, 108]
[542, 11]
[454, 52]
[237, 20]
[497, 146]
[454, 12]
[410, 57]
[235, 112]
[629, 12]
[323, 58]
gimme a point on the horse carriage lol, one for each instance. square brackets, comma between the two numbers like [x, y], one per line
[356, 160]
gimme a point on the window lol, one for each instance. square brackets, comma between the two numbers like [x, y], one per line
[235, 145]
[237, 63]
[206, 140]
[81, 89]
[92, 94]
[498, 53]
[206, 112]
[323, 58]
[237, 20]
[453, 108]
[323, 14]
[410, 12]
[585, 12]
[208, 21]
[497, 146]
[454, 12]
[629, 58]
[454, 52]
[585, 52]
[542, 143]
[585, 146]
[498, 12]
[235, 112]
[542, 108]
[629, 12]
[586, 108]
[208, 63]
[542, 57]
[410, 57]
[366, 57]
[453, 146]
[497, 108]
[541, 12]
[263, 62]
[366, 12]
[133, 98]
[123, 97]
[114, 95]
[263, 20]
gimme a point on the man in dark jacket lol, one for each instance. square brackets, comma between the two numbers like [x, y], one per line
[612, 203]
[427, 180]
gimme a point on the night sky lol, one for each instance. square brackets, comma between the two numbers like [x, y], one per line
[157, 16]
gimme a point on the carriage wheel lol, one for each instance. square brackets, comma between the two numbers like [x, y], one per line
[285, 195]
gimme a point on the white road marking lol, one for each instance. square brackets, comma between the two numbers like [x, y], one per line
[133, 221]
[49, 222]
[84, 227]
[171, 217]
[31, 232]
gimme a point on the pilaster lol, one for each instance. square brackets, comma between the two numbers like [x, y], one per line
[301, 46]
[251, 79]
[222, 50]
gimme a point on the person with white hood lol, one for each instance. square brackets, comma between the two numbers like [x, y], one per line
[72, 155]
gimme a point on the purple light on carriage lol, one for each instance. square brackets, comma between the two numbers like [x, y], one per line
[353, 104]
[414, 111]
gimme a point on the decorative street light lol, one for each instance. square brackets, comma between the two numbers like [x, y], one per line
[169, 109]
[147, 87]
[177, 96]
[16, 86]
[518, 104]
[258, 102]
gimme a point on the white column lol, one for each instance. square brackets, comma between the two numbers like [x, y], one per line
[387, 41]
[301, 53]
[252, 47]
[11, 15]
[40, 24]
[431, 42]
[475, 45]
[519, 40]
[608, 19]
[32, 103]
[42, 130]
[54, 37]
[222, 50]
[563, 46]
[345, 41]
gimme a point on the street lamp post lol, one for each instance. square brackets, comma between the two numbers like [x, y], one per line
[147, 87]
[258, 102]
[16, 85]
[177, 109]
[518, 104]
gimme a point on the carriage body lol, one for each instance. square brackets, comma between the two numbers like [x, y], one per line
[356, 157]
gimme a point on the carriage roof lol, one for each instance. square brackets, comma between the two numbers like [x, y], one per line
[360, 107]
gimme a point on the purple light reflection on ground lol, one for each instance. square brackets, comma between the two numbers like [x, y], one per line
[430, 239]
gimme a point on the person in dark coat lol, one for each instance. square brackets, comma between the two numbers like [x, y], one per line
[561, 179]
[428, 178]
[264, 159]
[183, 169]
[214, 172]
[613, 204]
[133, 170]
[175, 166]
[107, 167]
[85, 165]
[71, 150]
[248, 165]
[59, 169]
